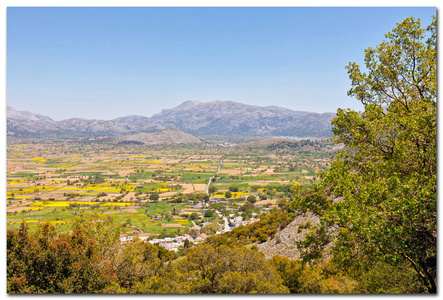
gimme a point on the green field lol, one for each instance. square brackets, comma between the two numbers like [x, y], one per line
[70, 178]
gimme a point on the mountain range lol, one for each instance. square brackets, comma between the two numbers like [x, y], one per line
[222, 118]
[166, 136]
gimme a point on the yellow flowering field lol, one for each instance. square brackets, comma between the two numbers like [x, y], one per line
[38, 159]
[117, 204]
[30, 221]
[60, 203]
[182, 221]
[234, 194]
[21, 197]
[16, 181]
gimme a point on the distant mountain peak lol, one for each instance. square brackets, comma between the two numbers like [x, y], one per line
[193, 102]
[131, 119]
[11, 113]
[166, 136]
[189, 103]
[220, 117]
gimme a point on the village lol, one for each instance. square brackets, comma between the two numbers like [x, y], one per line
[174, 243]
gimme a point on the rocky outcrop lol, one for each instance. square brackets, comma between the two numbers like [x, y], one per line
[284, 242]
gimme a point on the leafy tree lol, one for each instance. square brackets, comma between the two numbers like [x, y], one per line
[47, 262]
[139, 267]
[221, 239]
[228, 194]
[209, 213]
[269, 225]
[290, 271]
[154, 196]
[252, 199]
[102, 229]
[211, 228]
[402, 279]
[186, 244]
[221, 269]
[194, 232]
[233, 188]
[383, 183]
[132, 262]
[324, 278]
[247, 207]
[193, 216]
[282, 202]
[254, 188]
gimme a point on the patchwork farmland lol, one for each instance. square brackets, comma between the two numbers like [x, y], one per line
[151, 190]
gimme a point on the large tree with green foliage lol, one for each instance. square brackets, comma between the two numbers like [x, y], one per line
[50, 262]
[382, 185]
[232, 269]
[102, 229]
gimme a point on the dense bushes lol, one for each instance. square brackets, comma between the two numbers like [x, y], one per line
[226, 269]
[261, 230]
[90, 261]
[47, 262]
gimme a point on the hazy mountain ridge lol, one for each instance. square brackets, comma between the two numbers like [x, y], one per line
[27, 124]
[25, 115]
[226, 118]
[166, 136]
[131, 119]
[111, 127]
[232, 118]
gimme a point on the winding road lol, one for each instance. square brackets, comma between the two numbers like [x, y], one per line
[218, 171]
[227, 228]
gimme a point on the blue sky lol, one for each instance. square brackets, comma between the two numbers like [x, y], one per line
[105, 63]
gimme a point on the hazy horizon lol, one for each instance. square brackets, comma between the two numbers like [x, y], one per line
[166, 108]
[105, 63]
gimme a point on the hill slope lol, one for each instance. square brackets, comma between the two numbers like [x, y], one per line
[13, 114]
[284, 242]
[167, 136]
[27, 124]
[232, 118]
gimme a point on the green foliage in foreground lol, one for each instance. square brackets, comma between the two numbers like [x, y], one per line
[47, 262]
[223, 269]
[50, 262]
[263, 229]
[89, 260]
[378, 213]
[382, 186]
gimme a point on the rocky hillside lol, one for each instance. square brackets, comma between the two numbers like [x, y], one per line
[13, 114]
[26, 124]
[167, 136]
[231, 118]
[107, 127]
[131, 119]
[284, 242]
